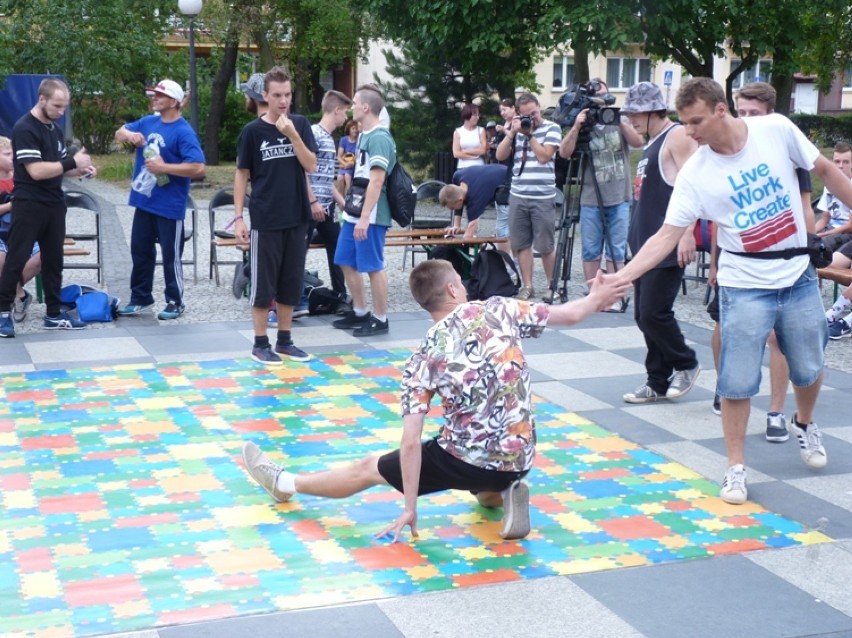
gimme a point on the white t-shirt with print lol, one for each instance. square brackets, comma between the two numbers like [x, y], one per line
[753, 197]
[838, 212]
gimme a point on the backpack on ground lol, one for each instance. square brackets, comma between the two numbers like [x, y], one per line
[493, 273]
[91, 304]
[323, 301]
[452, 255]
[402, 195]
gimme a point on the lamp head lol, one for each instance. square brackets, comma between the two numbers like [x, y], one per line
[190, 8]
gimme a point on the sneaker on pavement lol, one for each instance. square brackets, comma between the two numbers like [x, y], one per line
[292, 352]
[516, 511]
[133, 309]
[171, 311]
[810, 444]
[272, 318]
[839, 329]
[525, 294]
[717, 405]
[265, 355]
[351, 320]
[20, 307]
[7, 326]
[263, 471]
[372, 327]
[776, 427]
[643, 394]
[681, 382]
[63, 321]
[301, 311]
[734, 489]
[241, 280]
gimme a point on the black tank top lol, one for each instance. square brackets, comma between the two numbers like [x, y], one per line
[651, 196]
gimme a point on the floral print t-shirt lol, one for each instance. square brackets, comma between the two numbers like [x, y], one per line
[474, 361]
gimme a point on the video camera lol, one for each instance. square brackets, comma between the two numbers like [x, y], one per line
[584, 96]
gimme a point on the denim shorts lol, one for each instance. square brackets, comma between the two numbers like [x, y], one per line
[501, 227]
[592, 233]
[4, 248]
[364, 256]
[747, 315]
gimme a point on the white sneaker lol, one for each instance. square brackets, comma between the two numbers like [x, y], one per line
[810, 444]
[516, 511]
[734, 489]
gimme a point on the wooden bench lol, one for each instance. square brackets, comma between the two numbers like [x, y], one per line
[840, 277]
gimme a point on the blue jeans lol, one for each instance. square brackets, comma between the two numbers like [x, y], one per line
[592, 233]
[747, 315]
[501, 227]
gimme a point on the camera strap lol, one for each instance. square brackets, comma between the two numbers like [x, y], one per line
[524, 150]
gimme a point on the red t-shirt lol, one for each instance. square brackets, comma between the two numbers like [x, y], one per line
[6, 185]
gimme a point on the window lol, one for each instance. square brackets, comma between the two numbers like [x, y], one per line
[847, 77]
[622, 73]
[760, 72]
[563, 72]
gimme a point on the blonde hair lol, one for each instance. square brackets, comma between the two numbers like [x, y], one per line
[428, 281]
[5, 142]
[450, 194]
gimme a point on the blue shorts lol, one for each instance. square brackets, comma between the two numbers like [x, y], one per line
[747, 315]
[592, 234]
[363, 256]
[5, 248]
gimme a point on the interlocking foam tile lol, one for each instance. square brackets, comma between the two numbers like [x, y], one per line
[123, 503]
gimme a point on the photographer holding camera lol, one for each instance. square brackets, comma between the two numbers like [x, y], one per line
[609, 147]
[532, 141]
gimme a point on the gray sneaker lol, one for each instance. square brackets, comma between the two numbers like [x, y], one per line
[241, 280]
[19, 309]
[643, 394]
[263, 471]
[681, 382]
[516, 511]
[776, 427]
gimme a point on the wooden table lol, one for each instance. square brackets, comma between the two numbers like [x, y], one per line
[467, 247]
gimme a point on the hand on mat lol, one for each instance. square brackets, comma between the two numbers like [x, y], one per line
[406, 518]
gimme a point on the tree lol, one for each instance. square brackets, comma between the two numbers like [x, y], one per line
[106, 69]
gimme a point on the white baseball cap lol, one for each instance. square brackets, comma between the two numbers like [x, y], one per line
[167, 87]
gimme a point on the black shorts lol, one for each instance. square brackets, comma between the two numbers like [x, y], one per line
[278, 265]
[439, 471]
[846, 249]
[713, 306]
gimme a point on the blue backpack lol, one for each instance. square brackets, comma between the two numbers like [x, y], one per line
[91, 304]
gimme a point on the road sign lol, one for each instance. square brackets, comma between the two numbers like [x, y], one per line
[668, 77]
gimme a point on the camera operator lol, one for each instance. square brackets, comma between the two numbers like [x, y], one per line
[609, 147]
[532, 212]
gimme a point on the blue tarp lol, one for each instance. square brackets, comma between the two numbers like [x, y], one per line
[18, 95]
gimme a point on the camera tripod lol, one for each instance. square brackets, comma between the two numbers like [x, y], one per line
[570, 215]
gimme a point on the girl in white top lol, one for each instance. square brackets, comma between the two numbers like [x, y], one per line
[469, 142]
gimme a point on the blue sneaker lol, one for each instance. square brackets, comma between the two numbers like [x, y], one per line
[272, 318]
[293, 353]
[63, 321]
[171, 311]
[301, 310]
[133, 309]
[7, 326]
[839, 329]
[264, 355]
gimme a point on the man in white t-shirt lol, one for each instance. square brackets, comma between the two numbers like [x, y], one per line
[743, 179]
[834, 224]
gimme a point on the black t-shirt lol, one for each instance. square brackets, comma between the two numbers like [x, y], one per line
[33, 141]
[279, 195]
[804, 178]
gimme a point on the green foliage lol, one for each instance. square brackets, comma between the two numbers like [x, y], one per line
[105, 50]
[825, 130]
[234, 118]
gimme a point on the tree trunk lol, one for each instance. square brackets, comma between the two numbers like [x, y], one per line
[221, 84]
[581, 62]
[782, 80]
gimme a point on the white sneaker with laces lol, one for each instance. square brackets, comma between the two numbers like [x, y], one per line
[810, 444]
[734, 489]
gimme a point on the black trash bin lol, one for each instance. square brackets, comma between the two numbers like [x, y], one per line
[445, 166]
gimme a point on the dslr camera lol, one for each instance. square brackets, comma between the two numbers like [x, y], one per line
[584, 96]
[526, 122]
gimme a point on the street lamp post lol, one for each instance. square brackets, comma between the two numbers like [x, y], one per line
[191, 8]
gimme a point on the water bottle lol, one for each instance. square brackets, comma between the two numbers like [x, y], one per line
[149, 152]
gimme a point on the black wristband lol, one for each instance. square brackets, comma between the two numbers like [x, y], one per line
[68, 164]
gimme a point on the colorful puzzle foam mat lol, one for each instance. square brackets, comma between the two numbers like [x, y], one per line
[124, 504]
